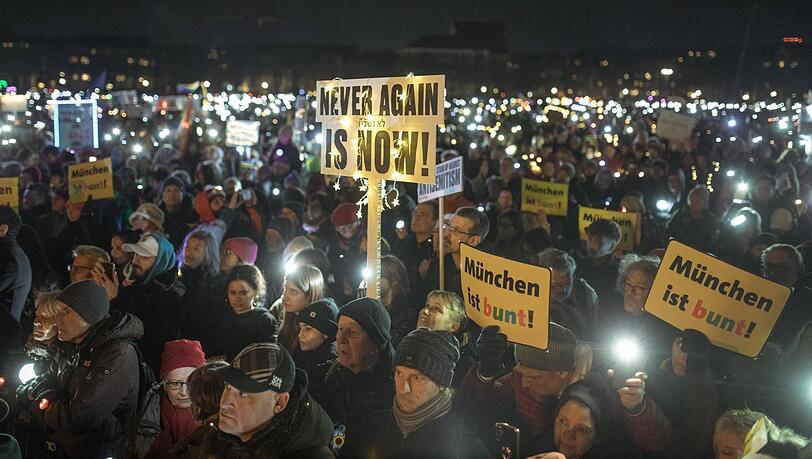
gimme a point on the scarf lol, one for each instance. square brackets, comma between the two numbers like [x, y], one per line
[435, 408]
[176, 424]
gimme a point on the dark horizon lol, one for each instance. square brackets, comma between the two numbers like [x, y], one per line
[529, 27]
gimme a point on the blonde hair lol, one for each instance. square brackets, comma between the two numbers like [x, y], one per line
[47, 304]
[309, 280]
[454, 304]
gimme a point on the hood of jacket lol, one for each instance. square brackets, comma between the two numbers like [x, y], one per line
[120, 325]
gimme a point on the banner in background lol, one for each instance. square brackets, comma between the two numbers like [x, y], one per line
[628, 222]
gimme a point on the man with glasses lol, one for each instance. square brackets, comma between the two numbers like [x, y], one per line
[467, 225]
[84, 260]
[573, 302]
[784, 264]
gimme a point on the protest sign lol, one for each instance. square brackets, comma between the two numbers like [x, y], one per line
[675, 126]
[628, 222]
[90, 179]
[736, 310]
[381, 128]
[448, 181]
[76, 124]
[10, 192]
[241, 133]
[550, 197]
[513, 295]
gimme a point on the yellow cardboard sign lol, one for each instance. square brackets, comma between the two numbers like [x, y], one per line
[10, 192]
[90, 179]
[628, 222]
[550, 197]
[736, 310]
[381, 128]
[513, 295]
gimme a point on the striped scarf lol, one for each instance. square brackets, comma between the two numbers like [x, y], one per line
[433, 409]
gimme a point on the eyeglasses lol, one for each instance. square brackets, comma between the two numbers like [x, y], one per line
[637, 289]
[454, 229]
[174, 385]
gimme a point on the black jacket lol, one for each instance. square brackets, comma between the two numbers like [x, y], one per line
[446, 437]
[203, 311]
[98, 385]
[316, 363]
[239, 330]
[348, 397]
[179, 223]
[301, 430]
[158, 305]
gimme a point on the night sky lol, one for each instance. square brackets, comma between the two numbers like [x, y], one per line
[530, 26]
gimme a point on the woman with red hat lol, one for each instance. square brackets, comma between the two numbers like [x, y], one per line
[178, 361]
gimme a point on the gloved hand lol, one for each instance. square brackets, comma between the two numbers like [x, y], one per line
[491, 347]
[44, 386]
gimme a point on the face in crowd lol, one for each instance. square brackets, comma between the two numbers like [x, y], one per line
[44, 325]
[293, 299]
[228, 260]
[413, 389]
[560, 285]
[141, 266]
[599, 246]
[172, 196]
[243, 413]
[177, 391]
[423, 221]
[70, 325]
[310, 338]
[574, 429]
[82, 268]
[119, 256]
[459, 230]
[635, 291]
[356, 350]
[194, 253]
[241, 296]
[542, 384]
[436, 315]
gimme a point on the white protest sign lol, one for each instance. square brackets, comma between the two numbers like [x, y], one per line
[675, 126]
[241, 133]
[76, 124]
[381, 128]
[448, 181]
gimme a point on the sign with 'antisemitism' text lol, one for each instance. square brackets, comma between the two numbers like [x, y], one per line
[628, 222]
[550, 197]
[735, 309]
[10, 192]
[94, 180]
[449, 181]
[513, 295]
[381, 128]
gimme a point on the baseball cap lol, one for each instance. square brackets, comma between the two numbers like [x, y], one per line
[260, 367]
[147, 246]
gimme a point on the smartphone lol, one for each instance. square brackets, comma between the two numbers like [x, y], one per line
[245, 195]
[622, 373]
[507, 437]
[109, 268]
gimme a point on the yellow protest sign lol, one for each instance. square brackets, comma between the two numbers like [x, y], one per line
[513, 295]
[90, 179]
[381, 128]
[10, 192]
[550, 197]
[736, 310]
[628, 222]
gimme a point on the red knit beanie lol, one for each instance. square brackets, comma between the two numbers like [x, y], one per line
[344, 214]
[245, 249]
[179, 354]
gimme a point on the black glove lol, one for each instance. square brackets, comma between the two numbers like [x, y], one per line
[491, 347]
[43, 387]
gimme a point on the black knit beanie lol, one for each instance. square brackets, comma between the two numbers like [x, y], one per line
[321, 315]
[593, 394]
[433, 353]
[174, 181]
[373, 318]
[88, 299]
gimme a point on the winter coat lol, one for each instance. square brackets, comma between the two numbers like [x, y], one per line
[239, 330]
[99, 389]
[446, 437]
[158, 304]
[189, 447]
[348, 397]
[178, 224]
[203, 311]
[316, 363]
[301, 430]
[579, 312]
[15, 276]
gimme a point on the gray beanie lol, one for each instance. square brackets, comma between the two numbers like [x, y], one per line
[433, 353]
[559, 356]
[88, 299]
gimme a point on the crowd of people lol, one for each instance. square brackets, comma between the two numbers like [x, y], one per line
[214, 307]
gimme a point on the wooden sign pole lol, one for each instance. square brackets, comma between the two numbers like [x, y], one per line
[374, 209]
[440, 244]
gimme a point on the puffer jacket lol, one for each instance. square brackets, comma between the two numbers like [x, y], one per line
[97, 390]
